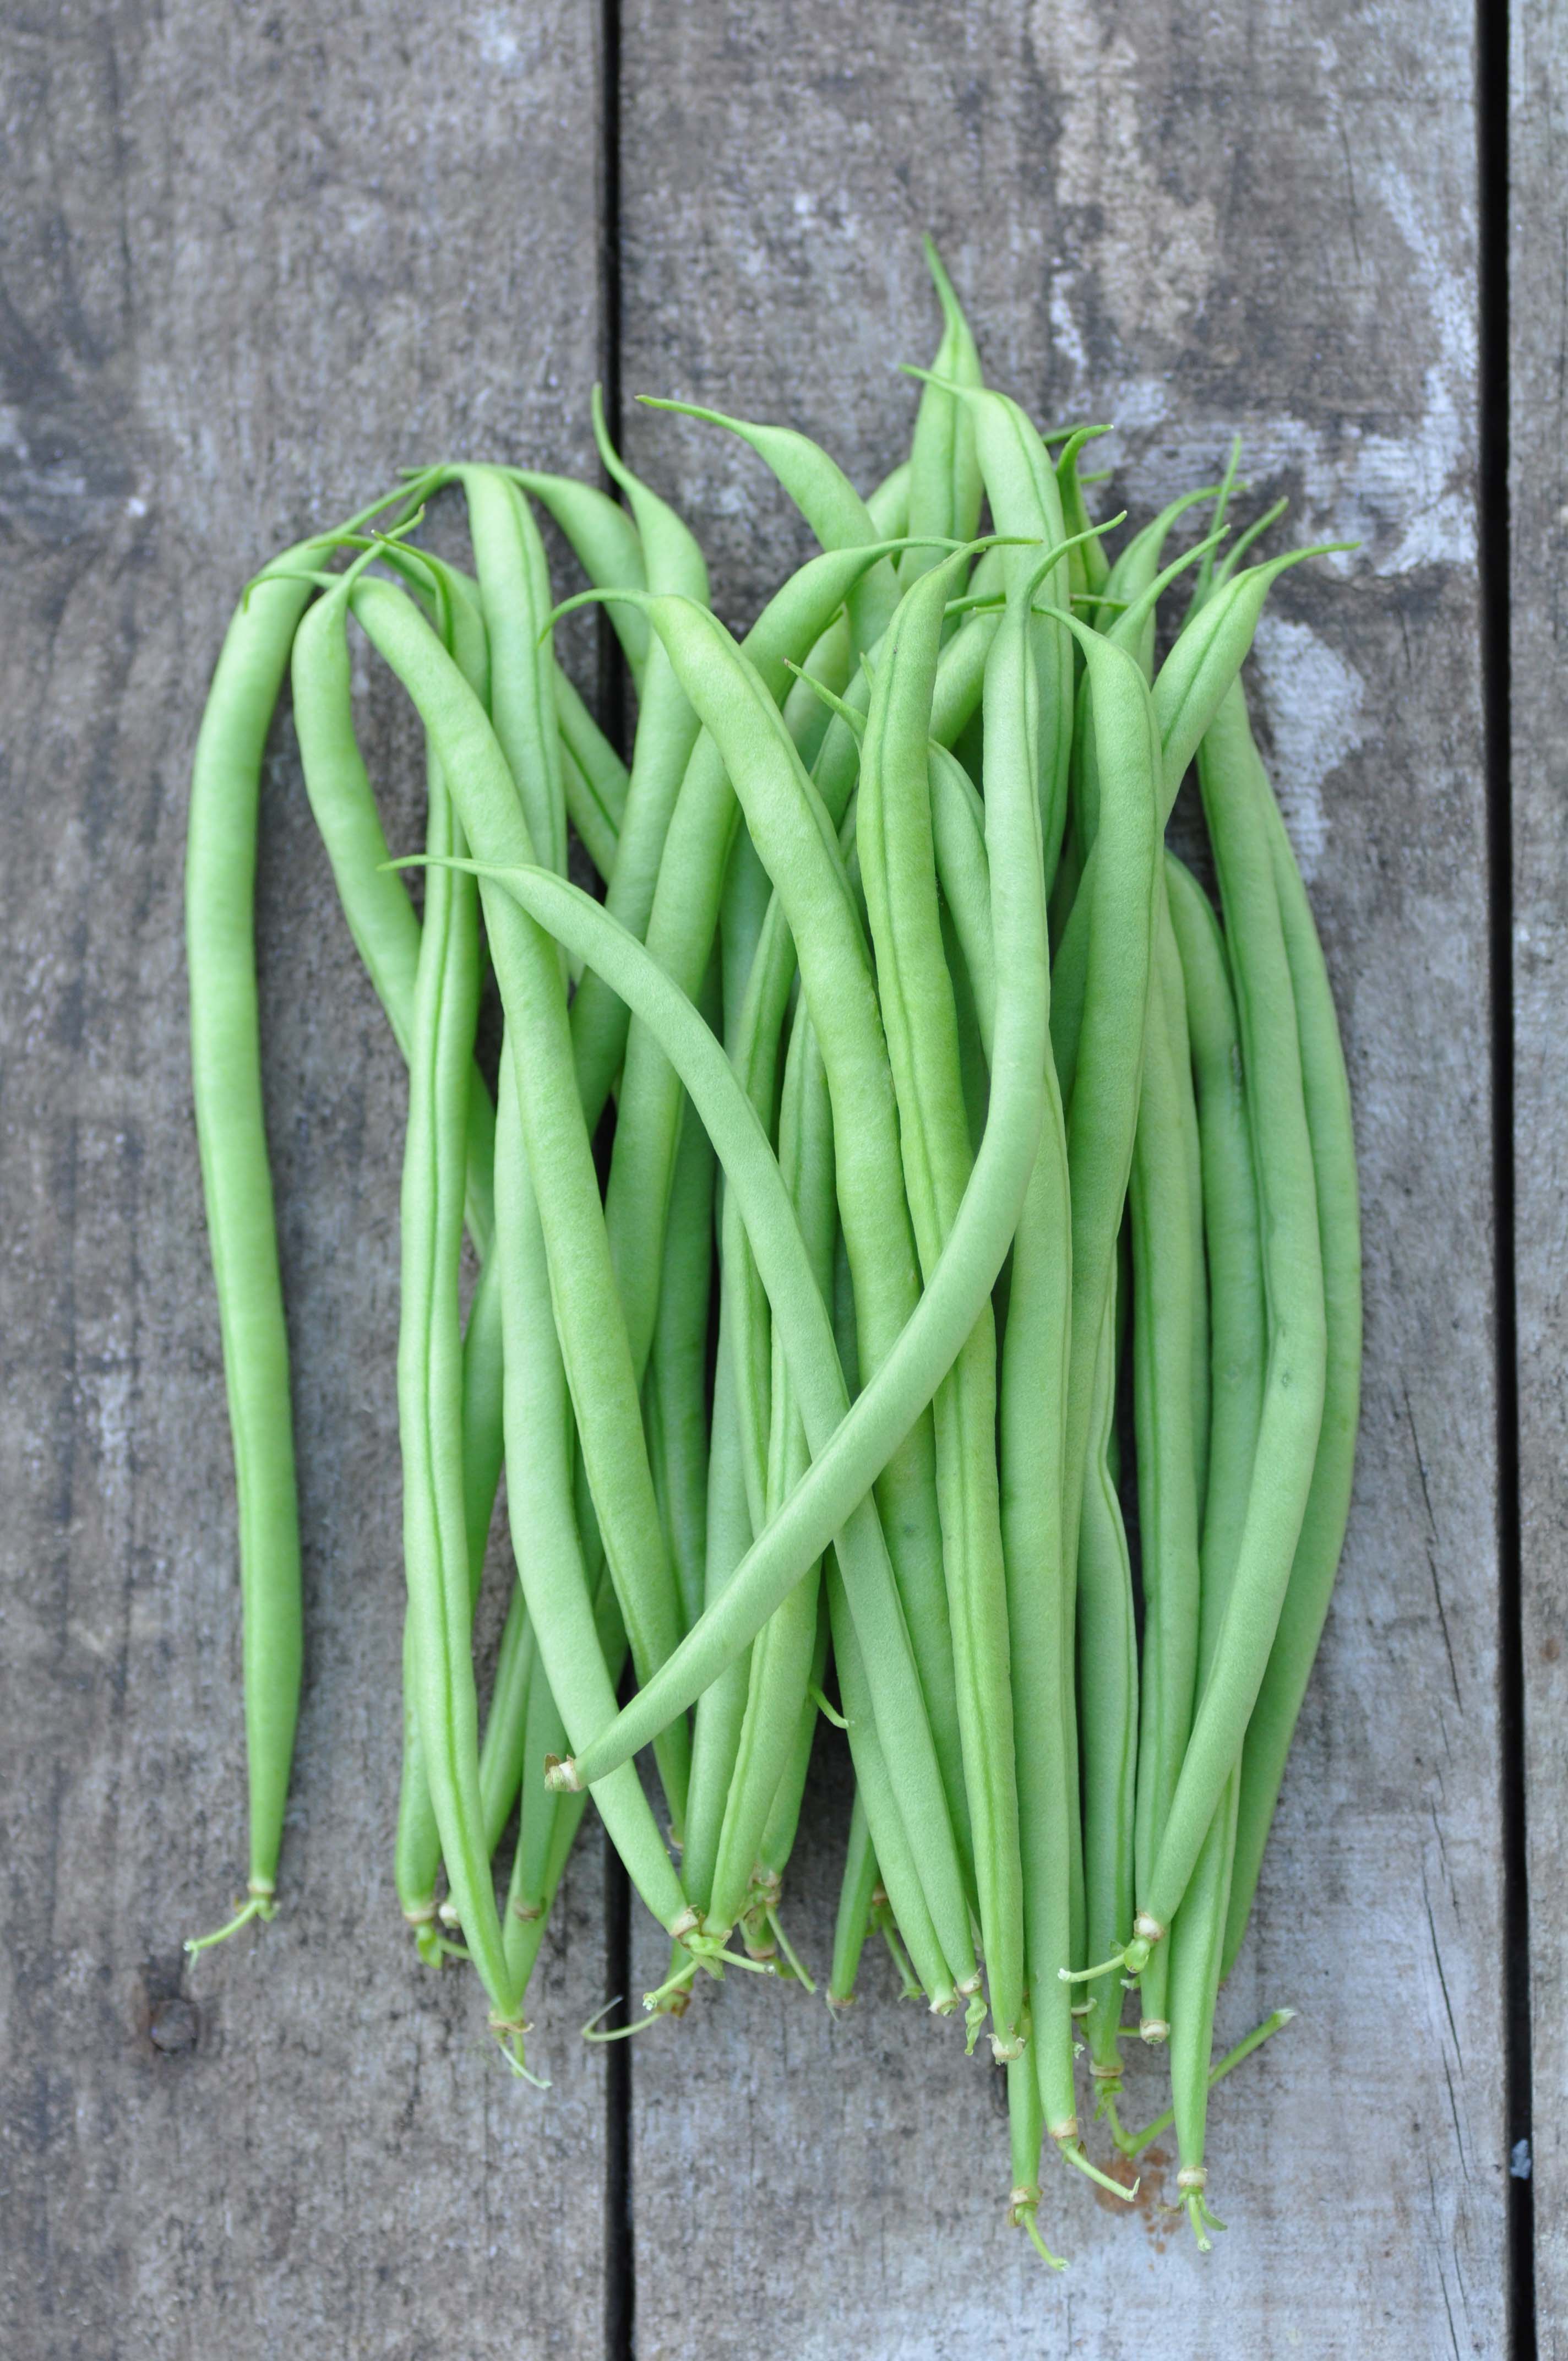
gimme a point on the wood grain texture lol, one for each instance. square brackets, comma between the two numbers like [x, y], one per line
[1539, 470]
[1254, 217]
[255, 259]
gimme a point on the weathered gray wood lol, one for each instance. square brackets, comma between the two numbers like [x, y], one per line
[1256, 218]
[1539, 222]
[253, 262]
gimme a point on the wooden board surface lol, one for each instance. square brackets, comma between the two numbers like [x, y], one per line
[254, 263]
[1262, 221]
[253, 260]
[1538, 488]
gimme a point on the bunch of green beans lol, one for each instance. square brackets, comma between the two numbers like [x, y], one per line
[897, 1168]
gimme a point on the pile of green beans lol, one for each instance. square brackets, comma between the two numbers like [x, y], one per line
[897, 1172]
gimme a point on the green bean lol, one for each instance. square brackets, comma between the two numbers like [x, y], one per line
[898, 867]
[1231, 778]
[1108, 1717]
[1167, 1282]
[852, 1923]
[944, 472]
[593, 776]
[514, 583]
[387, 933]
[1031, 1444]
[1231, 1222]
[782, 1651]
[1137, 565]
[677, 1383]
[720, 1708]
[667, 732]
[429, 1405]
[1302, 1615]
[1194, 1950]
[784, 1812]
[375, 898]
[604, 1387]
[1101, 1112]
[893, 1852]
[225, 1072]
[1088, 567]
[888, 505]
[919, 1561]
[1189, 690]
[1026, 2123]
[606, 543]
[826, 498]
[958, 831]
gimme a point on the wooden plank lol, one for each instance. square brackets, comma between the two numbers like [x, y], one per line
[1261, 219]
[255, 262]
[1538, 117]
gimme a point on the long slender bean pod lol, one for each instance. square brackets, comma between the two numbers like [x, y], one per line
[1327, 1511]
[1294, 1382]
[898, 867]
[225, 1072]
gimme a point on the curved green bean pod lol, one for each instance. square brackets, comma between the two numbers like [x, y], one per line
[1035, 1366]
[1087, 564]
[784, 1651]
[897, 1863]
[675, 1387]
[593, 778]
[1189, 690]
[1101, 1112]
[784, 1812]
[1327, 1511]
[1167, 1282]
[898, 868]
[945, 490]
[225, 1061]
[1137, 567]
[225, 1073]
[375, 898]
[605, 542]
[1238, 1345]
[429, 1407]
[386, 933]
[826, 498]
[853, 1922]
[721, 1706]
[1108, 1719]
[1232, 784]
[514, 584]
